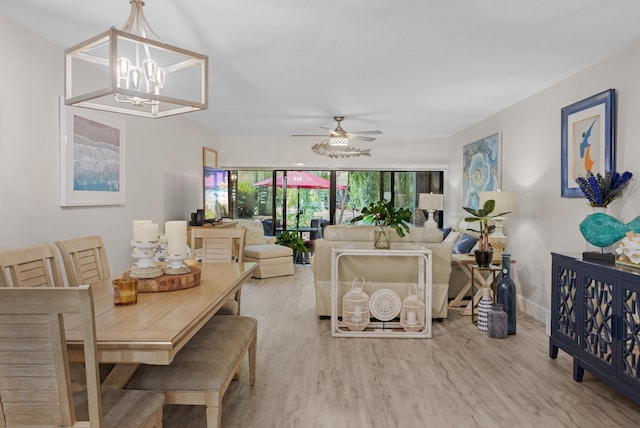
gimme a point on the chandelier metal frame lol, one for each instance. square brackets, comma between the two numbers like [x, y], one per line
[125, 71]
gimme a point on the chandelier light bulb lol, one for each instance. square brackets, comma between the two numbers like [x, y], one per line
[123, 67]
[160, 78]
[150, 69]
[136, 78]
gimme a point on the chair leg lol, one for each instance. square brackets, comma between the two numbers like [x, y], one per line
[238, 297]
[253, 351]
[155, 421]
[214, 415]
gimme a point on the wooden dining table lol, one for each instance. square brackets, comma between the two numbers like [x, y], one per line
[153, 330]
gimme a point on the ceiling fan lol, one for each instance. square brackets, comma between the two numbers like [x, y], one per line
[340, 137]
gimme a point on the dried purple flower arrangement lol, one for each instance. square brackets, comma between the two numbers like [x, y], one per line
[601, 191]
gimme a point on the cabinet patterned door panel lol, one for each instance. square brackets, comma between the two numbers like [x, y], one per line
[631, 335]
[566, 294]
[597, 329]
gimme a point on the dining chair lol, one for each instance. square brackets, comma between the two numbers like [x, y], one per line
[34, 367]
[222, 245]
[85, 259]
[34, 266]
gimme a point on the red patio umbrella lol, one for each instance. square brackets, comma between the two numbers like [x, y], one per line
[299, 180]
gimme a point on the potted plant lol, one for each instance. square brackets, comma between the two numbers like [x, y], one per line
[484, 253]
[290, 239]
[384, 216]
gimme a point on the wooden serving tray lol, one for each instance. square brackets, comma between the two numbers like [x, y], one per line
[168, 282]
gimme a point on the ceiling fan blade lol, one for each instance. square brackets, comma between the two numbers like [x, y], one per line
[367, 132]
[340, 136]
[361, 138]
[331, 131]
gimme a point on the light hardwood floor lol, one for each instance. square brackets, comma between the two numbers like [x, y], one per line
[459, 378]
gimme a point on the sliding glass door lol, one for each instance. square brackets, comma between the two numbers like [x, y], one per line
[299, 200]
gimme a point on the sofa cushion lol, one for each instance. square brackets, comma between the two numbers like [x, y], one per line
[464, 244]
[267, 251]
[348, 233]
[424, 234]
[366, 232]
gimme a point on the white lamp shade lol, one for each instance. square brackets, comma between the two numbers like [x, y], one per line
[431, 201]
[505, 201]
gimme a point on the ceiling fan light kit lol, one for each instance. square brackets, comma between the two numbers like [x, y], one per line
[338, 141]
[125, 71]
[337, 145]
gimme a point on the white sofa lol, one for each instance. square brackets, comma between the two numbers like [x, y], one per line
[392, 272]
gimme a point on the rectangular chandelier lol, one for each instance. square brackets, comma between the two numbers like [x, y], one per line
[123, 72]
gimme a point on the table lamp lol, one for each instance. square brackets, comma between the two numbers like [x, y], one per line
[432, 203]
[505, 202]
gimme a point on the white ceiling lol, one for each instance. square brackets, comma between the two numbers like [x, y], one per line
[410, 68]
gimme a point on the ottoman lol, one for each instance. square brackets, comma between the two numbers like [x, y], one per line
[273, 260]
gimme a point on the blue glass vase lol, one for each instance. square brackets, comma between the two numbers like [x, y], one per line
[506, 293]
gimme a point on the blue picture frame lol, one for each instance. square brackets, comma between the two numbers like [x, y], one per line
[588, 140]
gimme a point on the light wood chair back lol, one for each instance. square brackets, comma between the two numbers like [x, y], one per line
[85, 259]
[35, 266]
[220, 245]
[34, 366]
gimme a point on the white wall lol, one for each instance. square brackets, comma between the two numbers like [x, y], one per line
[531, 166]
[292, 152]
[163, 158]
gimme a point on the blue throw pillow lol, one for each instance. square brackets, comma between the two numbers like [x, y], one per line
[445, 232]
[464, 244]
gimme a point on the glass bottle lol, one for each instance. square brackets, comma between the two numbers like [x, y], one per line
[506, 293]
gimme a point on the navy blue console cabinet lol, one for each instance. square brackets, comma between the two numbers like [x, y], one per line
[595, 318]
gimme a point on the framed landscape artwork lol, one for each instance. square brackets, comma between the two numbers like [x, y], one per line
[480, 169]
[588, 140]
[92, 161]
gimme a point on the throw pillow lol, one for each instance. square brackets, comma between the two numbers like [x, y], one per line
[445, 232]
[464, 244]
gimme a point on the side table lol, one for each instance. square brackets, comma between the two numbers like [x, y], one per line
[482, 283]
[388, 328]
[465, 261]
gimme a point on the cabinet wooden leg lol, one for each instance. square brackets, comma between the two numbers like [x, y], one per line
[553, 351]
[578, 372]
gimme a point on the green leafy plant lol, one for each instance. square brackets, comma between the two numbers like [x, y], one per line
[482, 215]
[382, 213]
[292, 240]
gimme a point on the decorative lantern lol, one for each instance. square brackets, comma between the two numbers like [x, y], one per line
[355, 306]
[413, 311]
